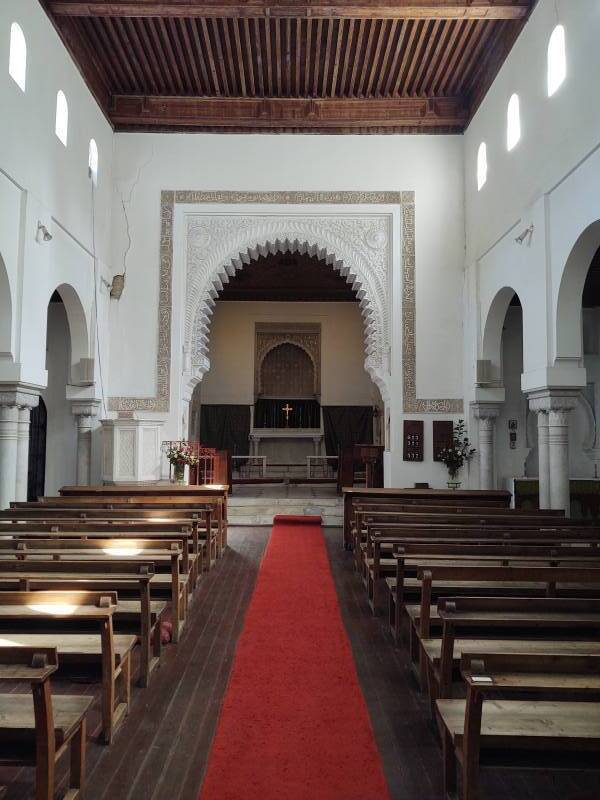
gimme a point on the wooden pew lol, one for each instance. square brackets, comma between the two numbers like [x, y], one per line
[38, 730]
[524, 625]
[200, 521]
[382, 541]
[554, 721]
[429, 497]
[403, 520]
[158, 494]
[191, 561]
[93, 515]
[502, 553]
[62, 612]
[399, 515]
[160, 553]
[109, 576]
[449, 580]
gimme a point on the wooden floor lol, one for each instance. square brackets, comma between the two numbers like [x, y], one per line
[161, 750]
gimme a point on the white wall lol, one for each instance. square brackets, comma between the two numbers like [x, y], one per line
[41, 180]
[231, 376]
[549, 181]
[430, 165]
[557, 132]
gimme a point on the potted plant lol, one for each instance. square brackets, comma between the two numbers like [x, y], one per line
[180, 455]
[458, 454]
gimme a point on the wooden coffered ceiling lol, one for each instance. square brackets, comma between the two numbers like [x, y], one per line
[357, 66]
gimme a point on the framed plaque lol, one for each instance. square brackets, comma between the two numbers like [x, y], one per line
[442, 436]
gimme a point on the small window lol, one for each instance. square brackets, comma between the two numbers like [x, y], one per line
[482, 166]
[513, 122]
[17, 59]
[557, 60]
[93, 160]
[62, 117]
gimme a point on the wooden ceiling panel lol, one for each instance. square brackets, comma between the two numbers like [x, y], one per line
[422, 65]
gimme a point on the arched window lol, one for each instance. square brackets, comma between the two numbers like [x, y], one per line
[62, 117]
[482, 166]
[557, 60]
[513, 122]
[93, 160]
[17, 59]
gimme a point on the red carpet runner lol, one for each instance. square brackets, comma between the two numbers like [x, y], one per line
[294, 724]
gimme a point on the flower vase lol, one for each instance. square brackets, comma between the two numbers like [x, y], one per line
[179, 473]
[453, 483]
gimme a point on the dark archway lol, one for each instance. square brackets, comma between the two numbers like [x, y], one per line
[36, 478]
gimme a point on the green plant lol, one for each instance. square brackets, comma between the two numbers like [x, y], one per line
[460, 452]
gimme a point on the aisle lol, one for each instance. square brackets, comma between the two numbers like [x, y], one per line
[294, 724]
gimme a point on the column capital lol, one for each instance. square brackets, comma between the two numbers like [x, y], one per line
[486, 411]
[85, 408]
[547, 400]
[19, 396]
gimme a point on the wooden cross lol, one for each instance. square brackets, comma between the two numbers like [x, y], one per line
[287, 409]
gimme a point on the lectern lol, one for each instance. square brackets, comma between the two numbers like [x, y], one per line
[367, 458]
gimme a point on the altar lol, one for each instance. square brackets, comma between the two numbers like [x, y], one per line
[286, 445]
[286, 430]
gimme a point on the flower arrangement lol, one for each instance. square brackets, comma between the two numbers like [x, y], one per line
[180, 455]
[459, 453]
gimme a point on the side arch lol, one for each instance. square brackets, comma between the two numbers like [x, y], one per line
[78, 331]
[491, 349]
[5, 313]
[570, 294]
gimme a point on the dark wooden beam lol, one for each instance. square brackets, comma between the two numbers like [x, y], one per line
[92, 73]
[490, 66]
[370, 9]
[281, 113]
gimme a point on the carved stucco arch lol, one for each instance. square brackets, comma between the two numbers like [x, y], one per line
[357, 247]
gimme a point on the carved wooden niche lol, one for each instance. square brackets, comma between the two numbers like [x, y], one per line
[413, 440]
[287, 359]
[442, 436]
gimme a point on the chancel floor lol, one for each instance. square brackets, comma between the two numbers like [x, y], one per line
[162, 749]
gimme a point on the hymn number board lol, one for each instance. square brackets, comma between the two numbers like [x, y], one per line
[413, 440]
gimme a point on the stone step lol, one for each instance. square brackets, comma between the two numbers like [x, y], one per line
[263, 514]
[254, 502]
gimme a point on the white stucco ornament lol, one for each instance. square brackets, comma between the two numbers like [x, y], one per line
[218, 245]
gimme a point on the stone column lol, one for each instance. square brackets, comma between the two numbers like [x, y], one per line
[24, 419]
[16, 402]
[9, 425]
[558, 449]
[543, 459]
[85, 413]
[553, 407]
[486, 414]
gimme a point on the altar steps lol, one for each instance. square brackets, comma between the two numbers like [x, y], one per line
[243, 510]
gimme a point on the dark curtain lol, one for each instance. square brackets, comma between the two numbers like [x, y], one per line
[225, 427]
[304, 414]
[345, 426]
